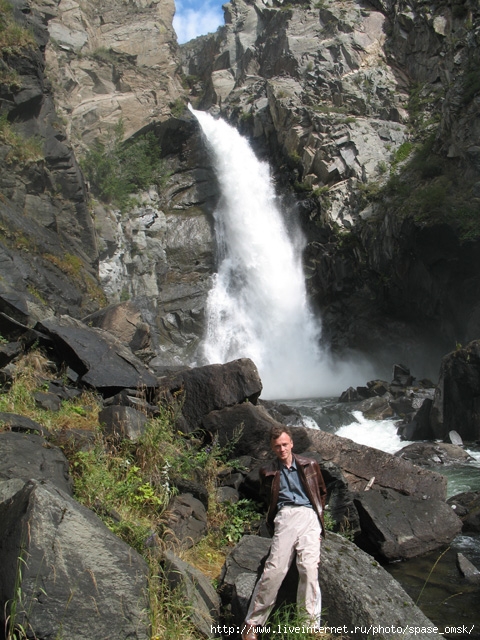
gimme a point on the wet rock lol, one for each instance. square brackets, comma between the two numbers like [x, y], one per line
[418, 427]
[468, 570]
[456, 403]
[377, 408]
[467, 508]
[430, 454]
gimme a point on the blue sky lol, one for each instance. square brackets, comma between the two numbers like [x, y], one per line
[196, 18]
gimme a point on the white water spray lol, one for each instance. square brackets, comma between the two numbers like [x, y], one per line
[258, 305]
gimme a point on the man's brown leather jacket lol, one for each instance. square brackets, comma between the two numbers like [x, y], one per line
[312, 481]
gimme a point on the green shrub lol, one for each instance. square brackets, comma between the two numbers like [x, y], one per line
[117, 170]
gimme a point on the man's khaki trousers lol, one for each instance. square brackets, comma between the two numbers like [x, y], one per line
[297, 529]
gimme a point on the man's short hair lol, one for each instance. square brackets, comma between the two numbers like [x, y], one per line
[277, 430]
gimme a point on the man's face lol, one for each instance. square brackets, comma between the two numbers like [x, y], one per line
[282, 447]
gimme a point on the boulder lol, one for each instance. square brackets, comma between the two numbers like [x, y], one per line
[398, 527]
[245, 424]
[124, 320]
[244, 558]
[418, 426]
[186, 521]
[134, 398]
[212, 387]
[47, 401]
[31, 457]
[468, 570]
[360, 463]
[456, 406]
[204, 611]
[377, 407]
[432, 454]
[9, 351]
[99, 359]
[122, 422]
[76, 578]
[350, 583]
[17, 423]
[227, 494]
[467, 508]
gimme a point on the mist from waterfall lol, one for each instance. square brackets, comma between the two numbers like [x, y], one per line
[258, 305]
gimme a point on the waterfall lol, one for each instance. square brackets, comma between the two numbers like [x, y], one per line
[258, 305]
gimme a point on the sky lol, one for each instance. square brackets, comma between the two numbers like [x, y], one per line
[195, 18]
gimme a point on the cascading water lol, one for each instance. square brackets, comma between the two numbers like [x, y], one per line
[258, 305]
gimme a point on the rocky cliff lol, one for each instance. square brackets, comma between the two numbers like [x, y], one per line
[368, 114]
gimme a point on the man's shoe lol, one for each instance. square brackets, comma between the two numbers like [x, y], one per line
[248, 632]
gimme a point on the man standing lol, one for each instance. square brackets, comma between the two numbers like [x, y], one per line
[296, 492]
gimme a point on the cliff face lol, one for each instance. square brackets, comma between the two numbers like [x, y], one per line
[111, 60]
[368, 113]
[48, 245]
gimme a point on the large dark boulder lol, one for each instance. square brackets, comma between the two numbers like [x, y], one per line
[456, 406]
[360, 464]
[30, 457]
[77, 579]
[397, 527]
[98, 358]
[418, 426]
[350, 583]
[216, 386]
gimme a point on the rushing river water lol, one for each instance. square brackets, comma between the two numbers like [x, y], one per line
[258, 305]
[433, 580]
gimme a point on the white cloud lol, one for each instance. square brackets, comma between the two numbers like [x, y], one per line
[195, 18]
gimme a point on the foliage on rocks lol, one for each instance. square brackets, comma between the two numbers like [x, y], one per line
[118, 169]
[22, 150]
[13, 37]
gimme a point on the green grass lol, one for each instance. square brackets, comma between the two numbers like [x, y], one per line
[13, 37]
